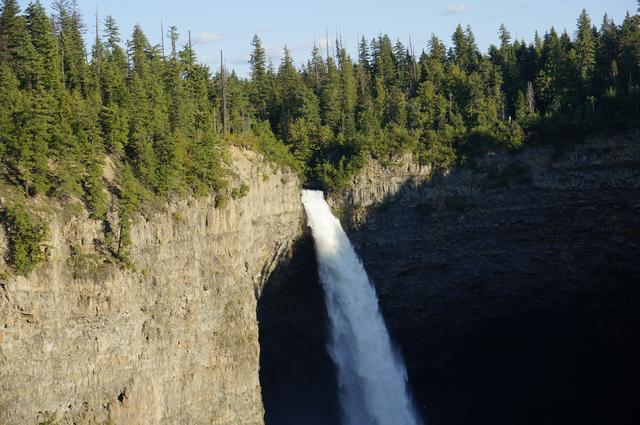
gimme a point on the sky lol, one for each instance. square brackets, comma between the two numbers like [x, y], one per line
[229, 25]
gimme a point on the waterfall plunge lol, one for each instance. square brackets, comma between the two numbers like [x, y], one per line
[371, 375]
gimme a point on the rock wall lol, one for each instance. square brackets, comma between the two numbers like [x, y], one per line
[174, 341]
[512, 283]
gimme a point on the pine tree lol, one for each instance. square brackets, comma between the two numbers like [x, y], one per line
[127, 205]
[384, 61]
[9, 11]
[112, 33]
[150, 146]
[16, 48]
[9, 103]
[506, 60]
[401, 57]
[11, 31]
[114, 91]
[316, 70]
[173, 71]
[35, 122]
[44, 41]
[139, 48]
[364, 113]
[606, 57]
[505, 37]
[330, 97]
[629, 66]
[465, 51]
[548, 78]
[259, 83]
[139, 147]
[585, 44]
[430, 107]
[115, 69]
[348, 96]
[364, 58]
[69, 27]
[299, 114]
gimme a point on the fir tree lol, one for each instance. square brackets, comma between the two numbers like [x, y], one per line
[585, 45]
[259, 81]
[348, 96]
[16, 48]
[44, 41]
[330, 97]
[69, 27]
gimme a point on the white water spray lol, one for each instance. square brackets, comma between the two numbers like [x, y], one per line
[371, 375]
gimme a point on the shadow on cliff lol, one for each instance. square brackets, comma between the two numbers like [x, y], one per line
[296, 374]
[514, 297]
[512, 288]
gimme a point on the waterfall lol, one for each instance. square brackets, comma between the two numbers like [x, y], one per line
[372, 378]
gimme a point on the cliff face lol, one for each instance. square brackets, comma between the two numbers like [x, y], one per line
[510, 284]
[173, 341]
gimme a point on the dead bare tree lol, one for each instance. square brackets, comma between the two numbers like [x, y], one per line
[223, 94]
[531, 99]
[162, 38]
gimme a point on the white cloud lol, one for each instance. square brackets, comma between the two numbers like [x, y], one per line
[457, 8]
[206, 38]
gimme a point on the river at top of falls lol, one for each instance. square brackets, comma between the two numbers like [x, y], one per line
[372, 377]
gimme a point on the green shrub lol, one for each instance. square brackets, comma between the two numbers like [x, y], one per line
[178, 217]
[221, 201]
[84, 265]
[274, 151]
[26, 236]
[94, 193]
[336, 176]
[240, 192]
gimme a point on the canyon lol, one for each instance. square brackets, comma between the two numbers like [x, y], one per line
[510, 284]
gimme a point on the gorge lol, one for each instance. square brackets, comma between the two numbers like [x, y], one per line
[509, 284]
[472, 258]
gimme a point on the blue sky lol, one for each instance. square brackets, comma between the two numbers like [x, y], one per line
[230, 24]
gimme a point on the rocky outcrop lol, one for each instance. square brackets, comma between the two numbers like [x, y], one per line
[174, 341]
[512, 283]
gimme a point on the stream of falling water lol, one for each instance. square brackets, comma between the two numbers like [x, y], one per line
[372, 377]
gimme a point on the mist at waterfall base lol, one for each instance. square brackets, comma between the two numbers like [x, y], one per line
[372, 377]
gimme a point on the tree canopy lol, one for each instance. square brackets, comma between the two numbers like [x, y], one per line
[164, 119]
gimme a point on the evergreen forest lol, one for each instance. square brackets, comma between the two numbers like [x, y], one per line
[165, 121]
